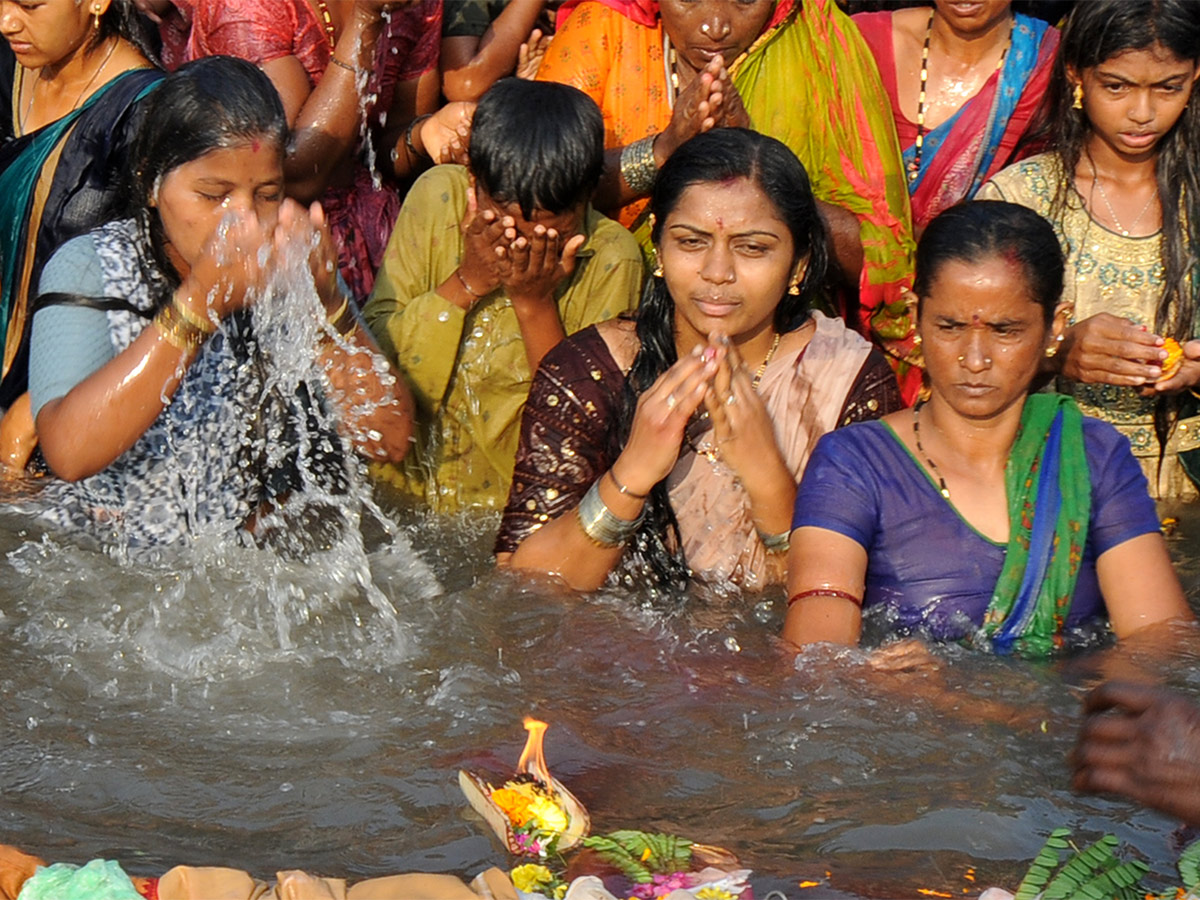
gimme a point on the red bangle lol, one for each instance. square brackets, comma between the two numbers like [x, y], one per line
[825, 592]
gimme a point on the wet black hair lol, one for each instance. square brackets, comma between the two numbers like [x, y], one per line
[1099, 30]
[123, 19]
[715, 157]
[981, 229]
[208, 104]
[537, 144]
[1096, 31]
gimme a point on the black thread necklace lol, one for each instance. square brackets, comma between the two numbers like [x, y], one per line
[916, 426]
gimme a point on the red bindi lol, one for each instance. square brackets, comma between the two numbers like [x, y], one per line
[254, 145]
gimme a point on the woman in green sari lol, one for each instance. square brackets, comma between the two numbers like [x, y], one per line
[987, 512]
[71, 74]
[663, 72]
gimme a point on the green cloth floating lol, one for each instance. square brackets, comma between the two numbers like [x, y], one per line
[99, 880]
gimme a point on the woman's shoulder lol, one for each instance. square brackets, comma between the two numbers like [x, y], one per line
[1104, 445]
[584, 354]
[1031, 182]
[860, 445]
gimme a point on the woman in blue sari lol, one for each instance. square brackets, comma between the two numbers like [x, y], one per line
[987, 512]
[71, 77]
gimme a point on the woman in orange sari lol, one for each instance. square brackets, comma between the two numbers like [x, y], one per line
[662, 72]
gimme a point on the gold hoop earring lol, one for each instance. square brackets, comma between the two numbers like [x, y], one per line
[1078, 95]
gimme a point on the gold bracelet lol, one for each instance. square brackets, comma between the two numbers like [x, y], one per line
[358, 73]
[338, 319]
[201, 323]
[178, 331]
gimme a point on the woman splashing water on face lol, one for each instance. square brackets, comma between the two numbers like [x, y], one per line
[987, 510]
[149, 387]
[682, 437]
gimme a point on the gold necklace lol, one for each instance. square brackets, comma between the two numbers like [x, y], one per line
[1099, 185]
[78, 100]
[706, 449]
[766, 361]
[323, 9]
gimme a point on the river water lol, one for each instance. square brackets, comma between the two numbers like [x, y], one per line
[232, 707]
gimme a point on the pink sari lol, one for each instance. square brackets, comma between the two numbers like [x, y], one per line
[981, 138]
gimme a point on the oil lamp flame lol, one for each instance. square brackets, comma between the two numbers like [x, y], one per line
[532, 759]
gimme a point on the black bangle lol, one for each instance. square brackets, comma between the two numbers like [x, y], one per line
[408, 137]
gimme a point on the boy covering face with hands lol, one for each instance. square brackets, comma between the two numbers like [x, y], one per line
[488, 268]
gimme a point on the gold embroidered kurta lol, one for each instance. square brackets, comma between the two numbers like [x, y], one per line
[1106, 272]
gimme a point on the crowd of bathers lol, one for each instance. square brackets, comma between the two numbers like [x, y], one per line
[894, 308]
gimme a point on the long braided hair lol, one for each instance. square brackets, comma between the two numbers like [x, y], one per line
[715, 157]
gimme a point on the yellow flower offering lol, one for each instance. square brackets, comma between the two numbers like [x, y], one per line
[1174, 359]
[531, 878]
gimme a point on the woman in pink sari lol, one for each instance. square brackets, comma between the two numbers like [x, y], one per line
[962, 113]
[358, 81]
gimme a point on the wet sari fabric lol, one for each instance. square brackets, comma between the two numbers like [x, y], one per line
[58, 182]
[838, 124]
[981, 138]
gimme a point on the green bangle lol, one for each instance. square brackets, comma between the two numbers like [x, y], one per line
[776, 543]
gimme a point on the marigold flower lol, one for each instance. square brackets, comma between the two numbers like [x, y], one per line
[549, 815]
[516, 805]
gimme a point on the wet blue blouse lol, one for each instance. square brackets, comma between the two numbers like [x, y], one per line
[930, 568]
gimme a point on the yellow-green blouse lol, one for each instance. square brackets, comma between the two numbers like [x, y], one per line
[467, 369]
[1106, 272]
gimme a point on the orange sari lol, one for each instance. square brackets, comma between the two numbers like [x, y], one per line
[810, 81]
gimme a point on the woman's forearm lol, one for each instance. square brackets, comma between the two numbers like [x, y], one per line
[496, 53]
[87, 429]
[326, 129]
[563, 549]
[374, 402]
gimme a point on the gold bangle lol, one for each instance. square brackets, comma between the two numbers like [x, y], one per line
[638, 166]
[358, 73]
[334, 317]
[200, 323]
[178, 331]
[338, 320]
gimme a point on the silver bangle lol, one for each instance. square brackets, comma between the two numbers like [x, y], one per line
[600, 523]
[776, 543]
[638, 167]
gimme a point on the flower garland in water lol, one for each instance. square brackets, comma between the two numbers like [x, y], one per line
[651, 865]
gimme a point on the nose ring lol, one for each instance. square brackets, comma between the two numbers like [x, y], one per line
[705, 28]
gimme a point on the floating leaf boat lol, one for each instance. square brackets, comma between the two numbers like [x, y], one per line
[532, 812]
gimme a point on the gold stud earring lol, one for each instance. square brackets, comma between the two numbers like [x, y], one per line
[1052, 350]
[1078, 95]
[794, 286]
[96, 16]
[658, 269]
